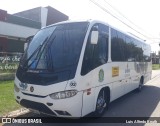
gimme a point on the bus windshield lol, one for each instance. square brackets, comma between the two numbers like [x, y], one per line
[54, 51]
[55, 47]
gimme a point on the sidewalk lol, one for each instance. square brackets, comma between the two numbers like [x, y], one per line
[155, 73]
[16, 113]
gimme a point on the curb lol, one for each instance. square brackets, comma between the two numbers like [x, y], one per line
[17, 112]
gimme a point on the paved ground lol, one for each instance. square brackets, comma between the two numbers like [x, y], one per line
[155, 73]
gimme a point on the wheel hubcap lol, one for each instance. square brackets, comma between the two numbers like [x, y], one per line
[101, 104]
[140, 86]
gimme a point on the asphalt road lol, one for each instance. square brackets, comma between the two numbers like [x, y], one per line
[143, 104]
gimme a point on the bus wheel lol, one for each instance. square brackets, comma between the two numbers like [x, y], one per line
[101, 103]
[139, 89]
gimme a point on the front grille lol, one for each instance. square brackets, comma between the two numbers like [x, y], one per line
[36, 106]
[38, 96]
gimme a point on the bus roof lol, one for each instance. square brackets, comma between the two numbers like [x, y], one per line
[91, 21]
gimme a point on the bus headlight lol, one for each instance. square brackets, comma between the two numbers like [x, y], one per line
[63, 94]
[16, 88]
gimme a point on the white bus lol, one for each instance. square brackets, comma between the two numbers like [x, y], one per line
[71, 69]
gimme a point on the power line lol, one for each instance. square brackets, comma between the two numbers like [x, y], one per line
[104, 9]
[155, 42]
[122, 14]
[125, 17]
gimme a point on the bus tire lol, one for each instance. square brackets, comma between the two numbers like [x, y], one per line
[102, 103]
[139, 89]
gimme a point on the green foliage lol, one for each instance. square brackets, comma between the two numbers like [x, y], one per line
[155, 66]
[7, 76]
[7, 101]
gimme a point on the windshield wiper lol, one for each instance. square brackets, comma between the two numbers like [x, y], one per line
[25, 65]
[39, 52]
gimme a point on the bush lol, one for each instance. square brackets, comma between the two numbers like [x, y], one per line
[155, 66]
[7, 76]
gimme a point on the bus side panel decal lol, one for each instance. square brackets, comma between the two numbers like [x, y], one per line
[115, 71]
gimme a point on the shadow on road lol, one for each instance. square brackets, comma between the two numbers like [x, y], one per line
[135, 104]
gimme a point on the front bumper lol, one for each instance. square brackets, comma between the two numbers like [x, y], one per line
[69, 107]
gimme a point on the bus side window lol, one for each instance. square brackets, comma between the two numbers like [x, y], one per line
[100, 55]
[116, 46]
[96, 55]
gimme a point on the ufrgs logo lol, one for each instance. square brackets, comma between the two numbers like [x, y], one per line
[6, 120]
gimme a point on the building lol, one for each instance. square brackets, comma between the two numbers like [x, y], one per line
[45, 15]
[155, 58]
[14, 29]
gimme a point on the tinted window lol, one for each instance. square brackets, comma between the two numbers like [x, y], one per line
[58, 46]
[96, 55]
[55, 55]
[147, 53]
[137, 51]
[66, 46]
[117, 46]
[126, 48]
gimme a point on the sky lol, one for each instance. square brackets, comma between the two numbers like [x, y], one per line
[141, 15]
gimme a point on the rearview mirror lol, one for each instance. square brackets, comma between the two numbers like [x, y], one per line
[94, 37]
[28, 40]
[25, 46]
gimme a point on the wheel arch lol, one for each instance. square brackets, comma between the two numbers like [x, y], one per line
[107, 91]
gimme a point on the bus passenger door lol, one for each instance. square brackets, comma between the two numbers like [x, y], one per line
[94, 60]
[88, 94]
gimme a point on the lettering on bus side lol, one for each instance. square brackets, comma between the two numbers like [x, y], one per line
[115, 71]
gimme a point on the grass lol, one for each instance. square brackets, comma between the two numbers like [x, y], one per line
[155, 66]
[7, 101]
[7, 76]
